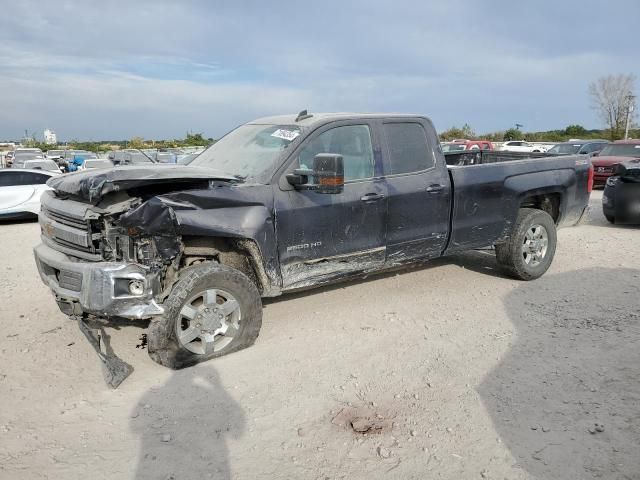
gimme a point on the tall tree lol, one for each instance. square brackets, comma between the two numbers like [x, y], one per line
[458, 133]
[512, 134]
[612, 97]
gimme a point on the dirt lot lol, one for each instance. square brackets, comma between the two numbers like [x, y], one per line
[448, 371]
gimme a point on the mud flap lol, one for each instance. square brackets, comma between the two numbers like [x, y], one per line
[114, 369]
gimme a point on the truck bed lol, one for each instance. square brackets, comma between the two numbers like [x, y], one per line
[486, 197]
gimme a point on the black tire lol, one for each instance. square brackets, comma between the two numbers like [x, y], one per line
[609, 218]
[162, 336]
[510, 255]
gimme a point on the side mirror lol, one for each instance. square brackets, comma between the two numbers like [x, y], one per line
[328, 170]
[327, 173]
[595, 154]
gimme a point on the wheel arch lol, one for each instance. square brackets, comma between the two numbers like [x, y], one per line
[242, 254]
[549, 202]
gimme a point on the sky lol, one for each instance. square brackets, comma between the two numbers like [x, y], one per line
[110, 69]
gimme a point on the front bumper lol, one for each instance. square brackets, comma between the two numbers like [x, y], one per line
[600, 178]
[98, 288]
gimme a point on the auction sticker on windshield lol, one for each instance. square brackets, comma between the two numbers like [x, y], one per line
[286, 134]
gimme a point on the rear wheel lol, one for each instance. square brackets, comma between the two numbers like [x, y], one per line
[529, 251]
[212, 310]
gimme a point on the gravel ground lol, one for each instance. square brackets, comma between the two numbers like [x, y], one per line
[444, 371]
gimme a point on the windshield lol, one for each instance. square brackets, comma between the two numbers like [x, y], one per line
[621, 150]
[45, 164]
[187, 159]
[452, 148]
[568, 148]
[97, 163]
[136, 157]
[85, 155]
[249, 150]
[27, 155]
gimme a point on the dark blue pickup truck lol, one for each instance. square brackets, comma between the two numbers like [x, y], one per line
[284, 203]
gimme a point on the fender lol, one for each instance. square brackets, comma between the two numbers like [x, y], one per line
[242, 212]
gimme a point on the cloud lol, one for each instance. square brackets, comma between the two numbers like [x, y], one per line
[116, 69]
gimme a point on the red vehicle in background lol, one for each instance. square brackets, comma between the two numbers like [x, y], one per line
[611, 155]
[461, 145]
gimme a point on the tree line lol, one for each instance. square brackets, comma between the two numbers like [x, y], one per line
[612, 97]
[562, 135]
[190, 140]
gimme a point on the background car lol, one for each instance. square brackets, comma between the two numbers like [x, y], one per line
[461, 145]
[74, 163]
[91, 163]
[521, 146]
[44, 164]
[621, 197]
[586, 147]
[70, 156]
[186, 159]
[129, 157]
[54, 155]
[22, 156]
[611, 155]
[20, 191]
[165, 157]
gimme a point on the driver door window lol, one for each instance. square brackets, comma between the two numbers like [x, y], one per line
[353, 142]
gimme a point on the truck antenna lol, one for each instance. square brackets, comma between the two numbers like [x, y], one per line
[303, 115]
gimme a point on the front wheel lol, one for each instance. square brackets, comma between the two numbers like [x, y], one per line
[529, 251]
[212, 310]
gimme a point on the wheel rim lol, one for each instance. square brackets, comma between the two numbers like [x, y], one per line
[535, 245]
[208, 322]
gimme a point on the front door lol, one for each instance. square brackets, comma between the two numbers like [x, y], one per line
[322, 237]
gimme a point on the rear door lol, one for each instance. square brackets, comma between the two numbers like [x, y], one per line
[418, 188]
[325, 236]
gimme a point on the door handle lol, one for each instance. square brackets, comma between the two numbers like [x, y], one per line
[372, 197]
[435, 188]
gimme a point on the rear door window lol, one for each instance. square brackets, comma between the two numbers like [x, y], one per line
[12, 179]
[31, 178]
[408, 148]
[8, 178]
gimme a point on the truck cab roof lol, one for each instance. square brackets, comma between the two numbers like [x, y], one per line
[314, 119]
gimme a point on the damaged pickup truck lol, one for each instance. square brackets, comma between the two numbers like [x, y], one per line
[285, 203]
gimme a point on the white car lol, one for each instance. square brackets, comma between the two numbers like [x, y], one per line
[54, 154]
[44, 164]
[521, 146]
[20, 191]
[91, 163]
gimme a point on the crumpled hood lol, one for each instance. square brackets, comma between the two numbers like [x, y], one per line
[92, 185]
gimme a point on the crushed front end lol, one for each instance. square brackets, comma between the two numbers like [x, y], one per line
[93, 264]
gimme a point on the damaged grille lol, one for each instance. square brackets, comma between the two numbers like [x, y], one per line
[62, 223]
[68, 231]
